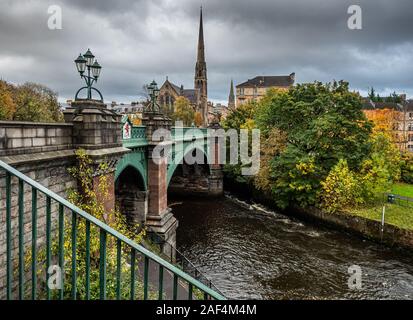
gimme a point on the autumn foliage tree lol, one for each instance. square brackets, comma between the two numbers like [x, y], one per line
[385, 120]
[7, 105]
[29, 102]
[183, 111]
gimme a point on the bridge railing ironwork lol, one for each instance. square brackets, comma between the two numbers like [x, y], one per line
[17, 283]
[179, 259]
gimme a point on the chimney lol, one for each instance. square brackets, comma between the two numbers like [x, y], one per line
[292, 76]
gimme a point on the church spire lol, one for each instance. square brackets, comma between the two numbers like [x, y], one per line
[201, 82]
[231, 98]
[201, 45]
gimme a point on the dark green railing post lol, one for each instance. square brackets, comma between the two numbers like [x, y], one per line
[175, 289]
[48, 242]
[34, 243]
[61, 251]
[160, 287]
[145, 278]
[132, 275]
[9, 237]
[87, 260]
[118, 267]
[190, 291]
[21, 239]
[102, 265]
[74, 239]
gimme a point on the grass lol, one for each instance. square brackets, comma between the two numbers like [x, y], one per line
[403, 189]
[398, 214]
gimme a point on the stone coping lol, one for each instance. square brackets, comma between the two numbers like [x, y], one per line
[37, 157]
[34, 124]
[61, 154]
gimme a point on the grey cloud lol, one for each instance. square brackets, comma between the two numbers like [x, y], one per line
[137, 41]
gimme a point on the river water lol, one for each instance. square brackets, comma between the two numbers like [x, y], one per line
[250, 252]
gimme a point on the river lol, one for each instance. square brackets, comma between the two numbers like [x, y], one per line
[255, 253]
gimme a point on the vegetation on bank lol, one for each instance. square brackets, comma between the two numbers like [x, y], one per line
[28, 102]
[318, 148]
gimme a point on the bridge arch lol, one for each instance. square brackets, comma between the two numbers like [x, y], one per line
[137, 160]
[131, 194]
[177, 159]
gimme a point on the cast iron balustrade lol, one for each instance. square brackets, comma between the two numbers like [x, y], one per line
[105, 231]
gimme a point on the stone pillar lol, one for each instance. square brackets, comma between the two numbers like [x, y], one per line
[216, 184]
[98, 130]
[160, 220]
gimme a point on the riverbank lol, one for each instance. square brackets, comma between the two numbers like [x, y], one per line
[391, 235]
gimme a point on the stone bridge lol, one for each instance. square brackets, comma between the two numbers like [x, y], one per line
[142, 166]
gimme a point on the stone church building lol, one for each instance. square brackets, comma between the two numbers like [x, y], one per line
[198, 97]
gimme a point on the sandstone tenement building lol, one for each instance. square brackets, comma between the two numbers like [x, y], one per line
[254, 89]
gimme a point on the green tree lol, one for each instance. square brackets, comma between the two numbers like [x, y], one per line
[322, 123]
[183, 111]
[36, 102]
[238, 117]
[407, 167]
[341, 189]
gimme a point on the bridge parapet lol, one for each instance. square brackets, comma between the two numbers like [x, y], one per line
[19, 138]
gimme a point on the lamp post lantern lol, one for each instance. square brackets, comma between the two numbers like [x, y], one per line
[88, 62]
[153, 91]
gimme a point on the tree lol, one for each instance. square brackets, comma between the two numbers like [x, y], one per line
[322, 123]
[340, 189]
[386, 120]
[198, 119]
[36, 102]
[183, 111]
[7, 105]
[271, 145]
[238, 117]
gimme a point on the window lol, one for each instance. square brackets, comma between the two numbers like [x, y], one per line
[241, 91]
[410, 147]
[410, 115]
[410, 127]
[410, 137]
[255, 91]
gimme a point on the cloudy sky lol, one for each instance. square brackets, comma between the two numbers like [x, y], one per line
[139, 40]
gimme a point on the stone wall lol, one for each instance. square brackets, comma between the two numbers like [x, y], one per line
[54, 176]
[391, 235]
[17, 138]
[198, 180]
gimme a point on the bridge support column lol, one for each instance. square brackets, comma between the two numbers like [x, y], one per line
[160, 220]
[96, 130]
[216, 184]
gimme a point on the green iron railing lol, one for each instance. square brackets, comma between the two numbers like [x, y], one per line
[105, 231]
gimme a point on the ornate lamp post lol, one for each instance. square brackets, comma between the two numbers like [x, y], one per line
[153, 91]
[87, 61]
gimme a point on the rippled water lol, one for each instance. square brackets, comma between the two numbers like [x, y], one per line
[259, 254]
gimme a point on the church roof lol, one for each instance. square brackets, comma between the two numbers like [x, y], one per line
[269, 81]
[191, 95]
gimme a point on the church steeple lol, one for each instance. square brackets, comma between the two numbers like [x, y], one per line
[231, 98]
[201, 45]
[201, 84]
